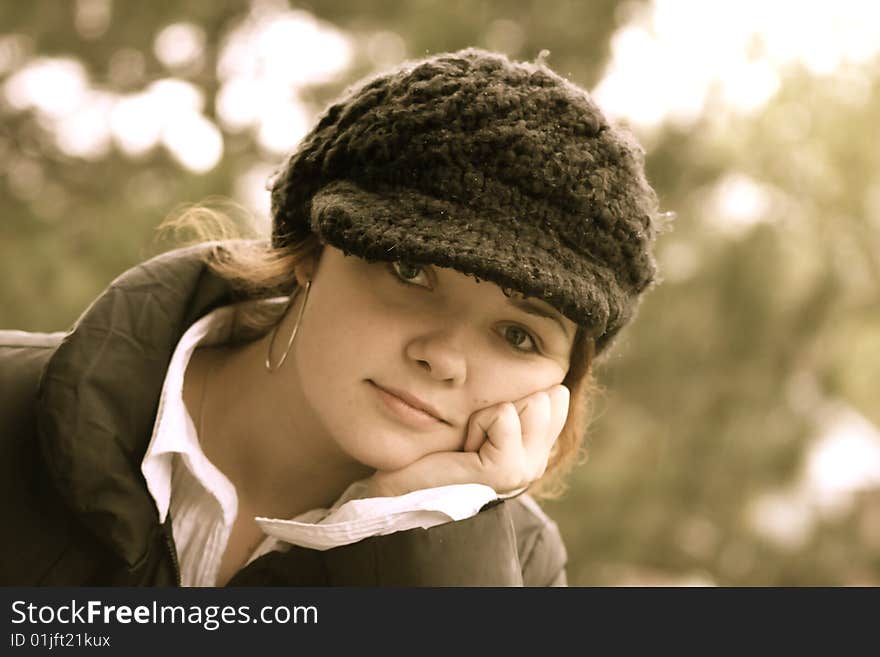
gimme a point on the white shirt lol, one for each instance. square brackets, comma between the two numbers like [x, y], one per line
[204, 503]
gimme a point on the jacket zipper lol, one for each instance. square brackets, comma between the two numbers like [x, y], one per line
[172, 550]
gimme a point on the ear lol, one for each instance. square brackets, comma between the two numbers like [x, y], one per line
[303, 273]
[305, 269]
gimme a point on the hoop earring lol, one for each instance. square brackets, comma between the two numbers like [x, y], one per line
[293, 333]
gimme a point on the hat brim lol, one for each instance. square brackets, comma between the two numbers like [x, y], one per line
[405, 225]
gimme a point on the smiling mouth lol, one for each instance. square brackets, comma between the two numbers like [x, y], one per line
[407, 408]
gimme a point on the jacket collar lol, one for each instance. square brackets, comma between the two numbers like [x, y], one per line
[100, 392]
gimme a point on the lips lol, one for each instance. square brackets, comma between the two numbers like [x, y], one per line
[411, 401]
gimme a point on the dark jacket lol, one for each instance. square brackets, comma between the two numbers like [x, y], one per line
[76, 415]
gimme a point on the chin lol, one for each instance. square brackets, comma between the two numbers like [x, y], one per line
[392, 450]
[371, 435]
[389, 453]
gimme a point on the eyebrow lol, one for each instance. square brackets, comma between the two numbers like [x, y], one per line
[533, 309]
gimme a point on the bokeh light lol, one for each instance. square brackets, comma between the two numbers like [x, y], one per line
[678, 54]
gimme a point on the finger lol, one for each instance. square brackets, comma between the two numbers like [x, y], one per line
[521, 404]
[481, 422]
[535, 421]
[476, 429]
[496, 428]
[560, 400]
[536, 425]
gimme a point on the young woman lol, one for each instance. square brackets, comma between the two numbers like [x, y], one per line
[364, 399]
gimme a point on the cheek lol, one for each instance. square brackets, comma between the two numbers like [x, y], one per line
[338, 346]
[502, 380]
[343, 341]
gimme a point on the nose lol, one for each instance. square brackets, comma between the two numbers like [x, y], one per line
[440, 354]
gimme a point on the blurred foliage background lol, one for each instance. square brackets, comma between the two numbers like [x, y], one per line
[735, 439]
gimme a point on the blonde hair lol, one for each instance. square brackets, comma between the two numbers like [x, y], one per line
[256, 271]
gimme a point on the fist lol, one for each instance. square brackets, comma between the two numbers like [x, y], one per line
[507, 447]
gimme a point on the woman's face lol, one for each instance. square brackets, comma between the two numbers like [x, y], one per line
[373, 334]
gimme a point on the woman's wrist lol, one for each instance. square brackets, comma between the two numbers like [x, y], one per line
[381, 485]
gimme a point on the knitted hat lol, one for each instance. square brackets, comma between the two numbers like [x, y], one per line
[500, 170]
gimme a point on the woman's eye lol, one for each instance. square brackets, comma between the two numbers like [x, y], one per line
[410, 273]
[520, 339]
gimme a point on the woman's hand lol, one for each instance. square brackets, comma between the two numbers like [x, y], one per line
[506, 448]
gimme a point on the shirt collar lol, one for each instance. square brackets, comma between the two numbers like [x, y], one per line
[174, 431]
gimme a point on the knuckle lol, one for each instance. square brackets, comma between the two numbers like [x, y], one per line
[560, 390]
[507, 411]
[561, 397]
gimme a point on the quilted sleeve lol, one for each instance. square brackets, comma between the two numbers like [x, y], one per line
[477, 551]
